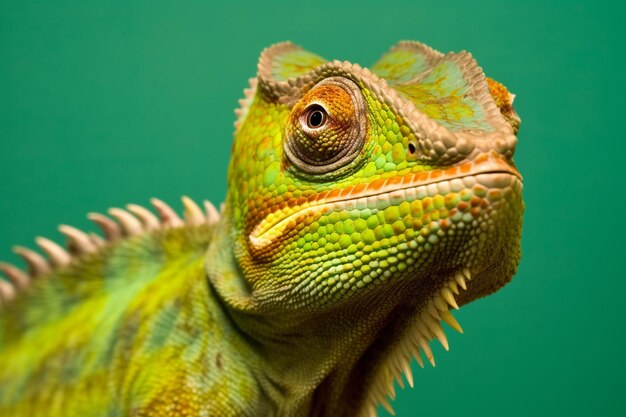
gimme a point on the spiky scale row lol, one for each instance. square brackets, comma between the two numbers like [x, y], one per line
[57, 254]
[79, 242]
[15, 275]
[245, 103]
[37, 265]
[168, 215]
[130, 224]
[148, 219]
[425, 328]
[133, 221]
[110, 228]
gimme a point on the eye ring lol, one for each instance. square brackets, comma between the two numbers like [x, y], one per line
[306, 143]
[316, 117]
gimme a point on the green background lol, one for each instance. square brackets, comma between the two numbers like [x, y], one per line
[102, 105]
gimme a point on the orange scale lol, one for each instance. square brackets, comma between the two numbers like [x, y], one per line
[318, 196]
[376, 185]
[420, 176]
[463, 206]
[481, 158]
[346, 192]
[436, 174]
[394, 180]
[359, 188]
[451, 171]
[334, 193]
[465, 169]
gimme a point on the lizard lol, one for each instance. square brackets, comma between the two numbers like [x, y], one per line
[363, 205]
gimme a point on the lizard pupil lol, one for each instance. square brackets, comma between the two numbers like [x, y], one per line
[316, 118]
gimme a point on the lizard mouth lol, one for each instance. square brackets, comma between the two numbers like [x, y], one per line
[488, 171]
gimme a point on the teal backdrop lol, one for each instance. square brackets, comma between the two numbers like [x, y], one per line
[106, 103]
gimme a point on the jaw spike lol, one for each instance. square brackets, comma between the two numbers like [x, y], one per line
[37, 264]
[392, 390]
[460, 279]
[77, 239]
[434, 312]
[58, 256]
[408, 373]
[449, 297]
[467, 274]
[420, 362]
[193, 214]
[440, 303]
[436, 328]
[451, 321]
[427, 352]
[149, 220]
[399, 380]
[385, 403]
[425, 326]
[423, 331]
[17, 276]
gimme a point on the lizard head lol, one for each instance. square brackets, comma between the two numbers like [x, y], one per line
[392, 186]
[345, 181]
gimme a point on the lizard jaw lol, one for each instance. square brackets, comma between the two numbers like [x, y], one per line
[487, 170]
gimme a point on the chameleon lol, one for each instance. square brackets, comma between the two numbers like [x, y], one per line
[363, 205]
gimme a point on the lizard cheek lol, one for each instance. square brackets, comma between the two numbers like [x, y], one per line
[327, 127]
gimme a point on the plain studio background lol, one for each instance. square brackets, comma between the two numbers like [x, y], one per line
[103, 105]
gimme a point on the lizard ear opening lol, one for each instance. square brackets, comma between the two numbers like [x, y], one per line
[406, 61]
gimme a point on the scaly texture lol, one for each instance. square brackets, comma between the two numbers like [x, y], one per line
[362, 206]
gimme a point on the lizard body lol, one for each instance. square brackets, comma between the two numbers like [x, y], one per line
[362, 205]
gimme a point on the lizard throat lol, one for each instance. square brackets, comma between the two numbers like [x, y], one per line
[487, 171]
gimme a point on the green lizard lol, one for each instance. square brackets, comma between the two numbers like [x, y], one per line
[362, 205]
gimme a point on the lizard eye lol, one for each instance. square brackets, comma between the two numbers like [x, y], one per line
[327, 127]
[316, 117]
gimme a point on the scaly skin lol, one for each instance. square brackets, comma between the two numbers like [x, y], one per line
[361, 206]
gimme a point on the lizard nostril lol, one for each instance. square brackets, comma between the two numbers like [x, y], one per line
[412, 148]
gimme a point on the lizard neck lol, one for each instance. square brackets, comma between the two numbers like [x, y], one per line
[301, 365]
